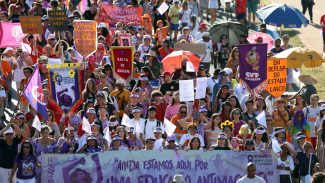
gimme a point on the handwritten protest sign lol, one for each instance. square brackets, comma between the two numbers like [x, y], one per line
[158, 166]
[123, 61]
[113, 14]
[186, 90]
[201, 87]
[163, 8]
[85, 37]
[193, 47]
[276, 76]
[31, 24]
[58, 20]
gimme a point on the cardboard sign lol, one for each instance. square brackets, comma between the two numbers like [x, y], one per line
[276, 76]
[85, 37]
[58, 20]
[186, 90]
[31, 24]
[113, 14]
[123, 61]
[194, 48]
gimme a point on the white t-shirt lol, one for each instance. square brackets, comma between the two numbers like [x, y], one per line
[144, 49]
[240, 91]
[188, 137]
[150, 127]
[159, 144]
[186, 17]
[136, 124]
[312, 114]
[256, 179]
[211, 82]
[287, 163]
[198, 36]
[208, 49]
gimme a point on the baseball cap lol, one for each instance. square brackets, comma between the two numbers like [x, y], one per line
[91, 110]
[157, 130]
[136, 109]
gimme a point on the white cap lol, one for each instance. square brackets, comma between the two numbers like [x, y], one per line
[101, 25]
[228, 70]
[9, 130]
[205, 34]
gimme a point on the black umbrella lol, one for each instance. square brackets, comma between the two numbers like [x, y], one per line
[232, 29]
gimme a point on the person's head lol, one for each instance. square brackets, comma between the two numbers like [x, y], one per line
[223, 39]
[249, 145]
[182, 111]
[45, 131]
[227, 128]
[285, 149]
[277, 43]
[54, 3]
[216, 120]
[26, 149]
[222, 140]
[269, 121]
[263, 28]
[185, 5]
[251, 170]
[95, 128]
[308, 147]
[156, 95]
[234, 53]
[146, 40]
[203, 111]
[157, 132]
[120, 85]
[318, 177]
[117, 141]
[150, 143]
[285, 39]
[206, 36]
[136, 111]
[152, 112]
[91, 114]
[91, 141]
[235, 114]
[259, 40]
[249, 104]
[280, 133]
[226, 107]
[100, 98]
[28, 71]
[314, 98]
[191, 128]
[186, 30]
[68, 132]
[300, 100]
[301, 139]
[166, 76]
[160, 23]
[234, 102]
[90, 85]
[50, 115]
[9, 134]
[121, 131]
[194, 143]
[224, 90]
[171, 140]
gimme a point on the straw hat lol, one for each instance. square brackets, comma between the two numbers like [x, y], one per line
[276, 102]
[307, 79]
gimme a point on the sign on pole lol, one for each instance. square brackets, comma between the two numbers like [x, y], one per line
[58, 20]
[276, 76]
[85, 37]
[123, 61]
[31, 24]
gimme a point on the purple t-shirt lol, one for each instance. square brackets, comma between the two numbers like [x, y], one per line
[26, 167]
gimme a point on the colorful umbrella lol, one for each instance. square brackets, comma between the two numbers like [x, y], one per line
[299, 56]
[174, 60]
[232, 29]
[282, 14]
[252, 38]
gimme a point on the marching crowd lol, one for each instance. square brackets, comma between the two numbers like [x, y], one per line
[223, 120]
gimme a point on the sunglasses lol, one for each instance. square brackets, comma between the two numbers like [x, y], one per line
[26, 147]
[183, 112]
[237, 113]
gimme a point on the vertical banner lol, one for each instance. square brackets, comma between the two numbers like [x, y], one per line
[276, 76]
[158, 166]
[58, 20]
[123, 61]
[252, 63]
[186, 90]
[11, 35]
[85, 37]
[31, 24]
[64, 85]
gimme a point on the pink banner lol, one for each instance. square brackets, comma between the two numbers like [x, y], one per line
[11, 35]
[113, 14]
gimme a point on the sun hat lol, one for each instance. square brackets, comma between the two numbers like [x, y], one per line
[307, 79]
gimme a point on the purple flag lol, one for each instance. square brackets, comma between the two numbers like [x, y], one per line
[252, 65]
[34, 94]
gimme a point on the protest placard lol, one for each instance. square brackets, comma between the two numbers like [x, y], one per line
[85, 37]
[58, 20]
[11, 35]
[163, 8]
[193, 47]
[276, 76]
[201, 87]
[252, 63]
[186, 90]
[113, 14]
[31, 24]
[123, 61]
[125, 39]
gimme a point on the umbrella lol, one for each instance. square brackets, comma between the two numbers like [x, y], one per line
[252, 37]
[232, 29]
[299, 56]
[175, 59]
[282, 14]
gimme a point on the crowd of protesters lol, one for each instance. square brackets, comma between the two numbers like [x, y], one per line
[224, 120]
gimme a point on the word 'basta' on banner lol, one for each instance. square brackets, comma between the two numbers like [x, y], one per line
[276, 76]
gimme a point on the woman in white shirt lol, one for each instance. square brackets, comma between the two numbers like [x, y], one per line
[285, 164]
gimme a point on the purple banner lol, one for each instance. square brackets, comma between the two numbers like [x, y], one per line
[252, 65]
[157, 166]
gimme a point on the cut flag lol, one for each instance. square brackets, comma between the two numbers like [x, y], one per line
[34, 94]
[261, 118]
